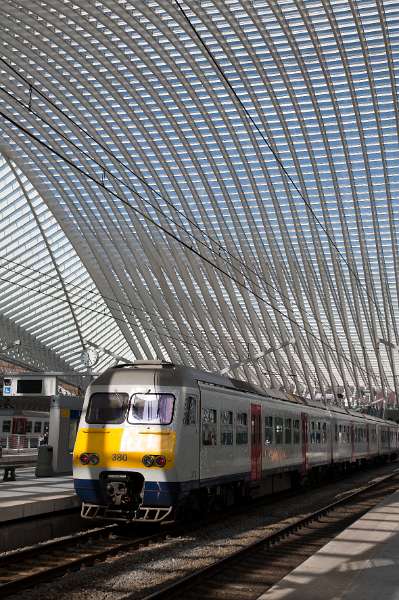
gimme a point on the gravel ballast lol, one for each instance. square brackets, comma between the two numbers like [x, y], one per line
[137, 574]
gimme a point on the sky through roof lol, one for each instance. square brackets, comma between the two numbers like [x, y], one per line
[226, 177]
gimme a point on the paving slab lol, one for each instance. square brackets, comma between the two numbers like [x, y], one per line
[362, 562]
[28, 495]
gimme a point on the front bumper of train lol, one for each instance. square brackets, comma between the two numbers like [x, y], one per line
[144, 514]
[158, 501]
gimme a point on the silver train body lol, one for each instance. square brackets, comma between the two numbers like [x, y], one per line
[155, 438]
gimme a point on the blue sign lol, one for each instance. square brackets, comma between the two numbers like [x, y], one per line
[7, 390]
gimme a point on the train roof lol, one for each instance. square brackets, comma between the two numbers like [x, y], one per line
[169, 374]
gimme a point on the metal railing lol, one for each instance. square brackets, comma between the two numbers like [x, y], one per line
[14, 444]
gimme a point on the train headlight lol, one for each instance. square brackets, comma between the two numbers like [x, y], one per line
[148, 460]
[84, 458]
[94, 459]
[161, 461]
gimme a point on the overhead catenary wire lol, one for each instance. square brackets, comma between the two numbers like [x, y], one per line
[301, 309]
[101, 296]
[105, 170]
[173, 236]
[110, 316]
[274, 153]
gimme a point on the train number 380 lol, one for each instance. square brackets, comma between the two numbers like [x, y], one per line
[119, 457]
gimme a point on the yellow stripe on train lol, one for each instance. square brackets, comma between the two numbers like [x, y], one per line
[120, 448]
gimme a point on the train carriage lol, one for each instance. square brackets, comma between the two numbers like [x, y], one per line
[155, 438]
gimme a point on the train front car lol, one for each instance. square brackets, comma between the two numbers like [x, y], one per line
[124, 455]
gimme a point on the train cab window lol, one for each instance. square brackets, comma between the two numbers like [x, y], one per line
[190, 411]
[278, 429]
[288, 431]
[209, 427]
[6, 426]
[148, 409]
[37, 427]
[242, 428]
[107, 407]
[297, 435]
[29, 427]
[268, 431]
[226, 428]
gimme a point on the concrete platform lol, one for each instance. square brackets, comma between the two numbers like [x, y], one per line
[360, 563]
[29, 496]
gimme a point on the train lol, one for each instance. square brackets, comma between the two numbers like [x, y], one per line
[22, 429]
[157, 440]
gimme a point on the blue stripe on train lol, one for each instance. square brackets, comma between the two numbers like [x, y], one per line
[156, 493]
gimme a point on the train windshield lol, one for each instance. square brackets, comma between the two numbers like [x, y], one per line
[151, 408]
[107, 408]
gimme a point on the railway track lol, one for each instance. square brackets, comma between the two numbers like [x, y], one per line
[250, 571]
[22, 569]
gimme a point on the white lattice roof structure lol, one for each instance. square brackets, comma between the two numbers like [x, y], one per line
[202, 181]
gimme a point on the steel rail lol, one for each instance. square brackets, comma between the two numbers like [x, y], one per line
[189, 582]
[20, 569]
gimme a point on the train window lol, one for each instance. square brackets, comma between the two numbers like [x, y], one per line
[268, 431]
[311, 432]
[278, 428]
[151, 408]
[288, 431]
[324, 434]
[226, 428]
[209, 427]
[318, 433]
[296, 431]
[38, 427]
[336, 432]
[242, 428]
[29, 427]
[190, 411]
[107, 408]
[6, 426]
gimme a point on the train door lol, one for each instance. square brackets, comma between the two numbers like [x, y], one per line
[304, 419]
[352, 441]
[189, 436]
[331, 438]
[368, 438]
[19, 425]
[256, 442]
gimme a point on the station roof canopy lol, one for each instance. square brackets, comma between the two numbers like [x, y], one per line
[210, 183]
